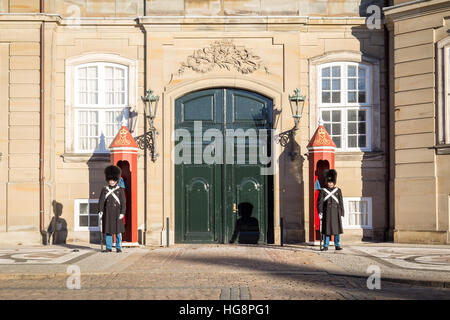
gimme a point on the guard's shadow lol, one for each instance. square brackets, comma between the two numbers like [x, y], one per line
[57, 229]
[246, 229]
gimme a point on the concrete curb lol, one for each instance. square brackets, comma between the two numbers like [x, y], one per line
[421, 283]
[39, 276]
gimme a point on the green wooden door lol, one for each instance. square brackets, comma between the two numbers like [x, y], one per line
[222, 200]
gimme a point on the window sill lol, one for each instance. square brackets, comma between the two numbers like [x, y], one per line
[442, 148]
[358, 155]
[85, 157]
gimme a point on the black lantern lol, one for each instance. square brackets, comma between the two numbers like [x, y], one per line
[148, 139]
[296, 101]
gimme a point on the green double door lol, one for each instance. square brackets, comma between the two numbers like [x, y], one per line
[221, 192]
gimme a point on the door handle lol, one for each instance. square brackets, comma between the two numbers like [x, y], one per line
[234, 208]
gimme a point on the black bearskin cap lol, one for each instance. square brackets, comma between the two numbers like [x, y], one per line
[112, 173]
[330, 176]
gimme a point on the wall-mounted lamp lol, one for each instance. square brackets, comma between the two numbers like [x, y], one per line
[148, 139]
[286, 138]
[296, 100]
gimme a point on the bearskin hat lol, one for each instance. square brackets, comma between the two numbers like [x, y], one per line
[330, 176]
[112, 173]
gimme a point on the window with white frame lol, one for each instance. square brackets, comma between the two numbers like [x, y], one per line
[100, 99]
[358, 213]
[443, 89]
[344, 102]
[86, 215]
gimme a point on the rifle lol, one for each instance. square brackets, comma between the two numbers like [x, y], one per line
[321, 235]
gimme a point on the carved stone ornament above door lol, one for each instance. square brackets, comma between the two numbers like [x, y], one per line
[224, 54]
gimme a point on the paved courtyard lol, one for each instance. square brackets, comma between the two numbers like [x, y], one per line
[222, 272]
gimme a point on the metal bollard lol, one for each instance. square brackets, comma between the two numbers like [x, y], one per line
[281, 231]
[167, 232]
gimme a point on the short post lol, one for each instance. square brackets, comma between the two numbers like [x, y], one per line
[281, 231]
[167, 232]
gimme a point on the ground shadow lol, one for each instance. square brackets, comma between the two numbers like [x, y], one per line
[291, 190]
[57, 228]
[246, 229]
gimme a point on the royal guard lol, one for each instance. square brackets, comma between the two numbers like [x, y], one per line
[112, 208]
[330, 206]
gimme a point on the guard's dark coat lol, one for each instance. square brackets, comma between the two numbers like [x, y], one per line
[332, 212]
[111, 211]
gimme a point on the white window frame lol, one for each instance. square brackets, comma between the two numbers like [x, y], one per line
[443, 89]
[71, 144]
[345, 220]
[344, 105]
[374, 100]
[101, 107]
[77, 203]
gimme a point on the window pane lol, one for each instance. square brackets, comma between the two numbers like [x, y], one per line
[326, 115]
[326, 72]
[337, 141]
[93, 143]
[82, 87]
[83, 208]
[336, 129]
[336, 97]
[92, 98]
[326, 84]
[109, 72]
[109, 85]
[351, 71]
[82, 73]
[93, 208]
[352, 128]
[325, 97]
[362, 141]
[361, 84]
[327, 127]
[361, 115]
[352, 141]
[119, 85]
[336, 71]
[119, 73]
[336, 116]
[352, 96]
[362, 97]
[352, 84]
[92, 72]
[351, 115]
[336, 84]
[362, 128]
[83, 221]
[83, 98]
[361, 73]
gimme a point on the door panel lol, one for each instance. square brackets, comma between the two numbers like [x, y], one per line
[206, 194]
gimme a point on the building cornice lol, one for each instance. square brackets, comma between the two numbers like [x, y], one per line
[182, 20]
[415, 9]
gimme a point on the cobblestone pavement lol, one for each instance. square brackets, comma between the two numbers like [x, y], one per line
[216, 272]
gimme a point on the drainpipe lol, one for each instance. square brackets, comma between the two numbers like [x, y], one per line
[388, 133]
[41, 132]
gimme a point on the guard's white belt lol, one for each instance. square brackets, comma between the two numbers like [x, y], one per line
[111, 192]
[331, 194]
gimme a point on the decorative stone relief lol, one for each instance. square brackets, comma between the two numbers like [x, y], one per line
[224, 54]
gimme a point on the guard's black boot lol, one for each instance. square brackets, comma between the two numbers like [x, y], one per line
[119, 250]
[338, 248]
[324, 249]
[107, 250]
